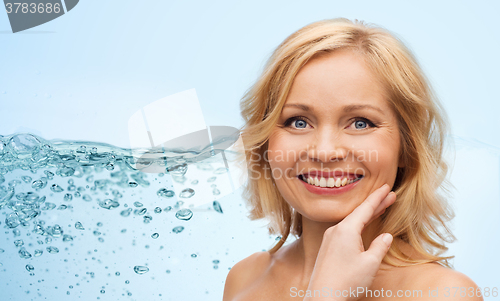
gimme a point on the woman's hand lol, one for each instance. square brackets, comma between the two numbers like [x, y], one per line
[342, 263]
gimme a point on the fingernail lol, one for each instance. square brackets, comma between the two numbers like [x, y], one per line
[387, 239]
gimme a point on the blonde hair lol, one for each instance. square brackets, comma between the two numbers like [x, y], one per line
[420, 214]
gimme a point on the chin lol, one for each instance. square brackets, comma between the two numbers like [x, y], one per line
[327, 216]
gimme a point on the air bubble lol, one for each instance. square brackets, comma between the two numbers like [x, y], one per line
[187, 193]
[49, 174]
[163, 192]
[178, 169]
[26, 179]
[140, 211]
[126, 212]
[24, 254]
[52, 250]
[65, 171]
[79, 226]
[109, 204]
[56, 188]
[141, 269]
[178, 229]
[184, 214]
[217, 206]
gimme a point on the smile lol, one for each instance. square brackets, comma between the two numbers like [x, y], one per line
[328, 182]
[328, 186]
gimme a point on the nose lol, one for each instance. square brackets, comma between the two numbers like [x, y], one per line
[327, 146]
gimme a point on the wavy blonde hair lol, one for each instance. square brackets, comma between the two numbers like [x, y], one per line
[420, 213]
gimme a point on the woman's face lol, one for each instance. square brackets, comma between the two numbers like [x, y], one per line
[335, 128]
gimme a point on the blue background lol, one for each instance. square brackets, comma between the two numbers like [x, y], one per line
[81, 76]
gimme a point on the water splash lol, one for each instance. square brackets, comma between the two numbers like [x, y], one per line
[50, 189]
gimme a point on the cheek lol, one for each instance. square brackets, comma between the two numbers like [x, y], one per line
[274, 149]
[377, 151]
[275, 154]
[274, 142]
[282, 149]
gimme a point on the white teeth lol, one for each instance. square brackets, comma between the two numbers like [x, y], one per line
[329, 182]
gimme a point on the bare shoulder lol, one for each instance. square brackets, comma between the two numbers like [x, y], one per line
[448, 284]
[244, 273]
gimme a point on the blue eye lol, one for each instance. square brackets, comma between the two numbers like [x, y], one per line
[363, 123]
[298, 122]
[360, 124]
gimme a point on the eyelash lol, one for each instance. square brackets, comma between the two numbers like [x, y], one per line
[289, 121]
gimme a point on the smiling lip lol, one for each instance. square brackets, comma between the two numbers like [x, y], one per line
[327, 190]
[336, 174]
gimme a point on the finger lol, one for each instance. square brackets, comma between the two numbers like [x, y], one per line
[366, 210]
[388, 201]
[379, 246]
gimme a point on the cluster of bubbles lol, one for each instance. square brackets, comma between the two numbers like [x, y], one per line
[30, 166]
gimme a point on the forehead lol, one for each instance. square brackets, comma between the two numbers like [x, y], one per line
[338, 78]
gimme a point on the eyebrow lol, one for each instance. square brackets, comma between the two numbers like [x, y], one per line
[346, 109]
